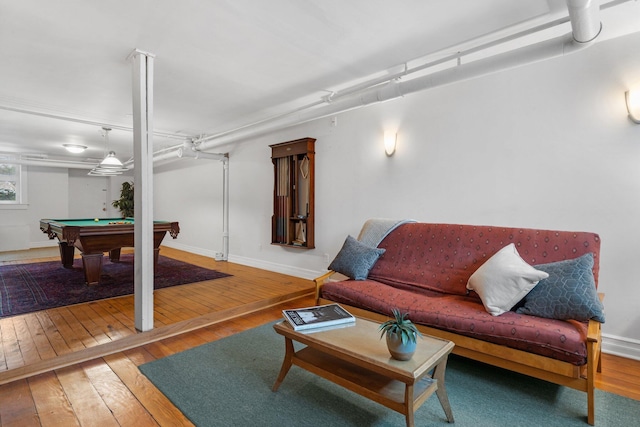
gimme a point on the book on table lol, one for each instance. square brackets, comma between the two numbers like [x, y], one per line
[318, 317]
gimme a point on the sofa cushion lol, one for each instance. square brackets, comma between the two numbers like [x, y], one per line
[503, 280]
[355, 259]
[568, 293]
[465, 315]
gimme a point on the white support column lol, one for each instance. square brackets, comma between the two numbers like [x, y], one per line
[143, 195]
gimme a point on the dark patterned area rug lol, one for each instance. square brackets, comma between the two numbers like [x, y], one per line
[25, 288]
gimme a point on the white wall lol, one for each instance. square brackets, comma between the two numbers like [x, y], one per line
[190, 192]
[88, 195]
[52, 192]
[47, 195]
[544, 146]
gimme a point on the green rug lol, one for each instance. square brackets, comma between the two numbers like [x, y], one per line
[228, 383]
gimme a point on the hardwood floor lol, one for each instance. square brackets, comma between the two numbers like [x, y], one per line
[79, 365]
[42, 341]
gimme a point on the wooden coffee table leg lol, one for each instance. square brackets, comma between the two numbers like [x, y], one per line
[286, 363]
[408, 404]
[441, 392]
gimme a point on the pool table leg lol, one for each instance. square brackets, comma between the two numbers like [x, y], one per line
[92, 264]
[66, 254]
[114, 255]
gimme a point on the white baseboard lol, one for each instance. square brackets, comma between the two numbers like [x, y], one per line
[190, 249]
[278, 268]
[621, 346]
[43, 244]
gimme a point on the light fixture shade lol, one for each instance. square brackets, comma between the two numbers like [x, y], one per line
[390, 139]
[97, 172]
[632, 98]
[74, 148]
[111, 161]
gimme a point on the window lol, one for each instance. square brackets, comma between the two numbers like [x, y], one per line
[10, 182]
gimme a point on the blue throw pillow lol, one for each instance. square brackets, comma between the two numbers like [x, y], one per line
[568, 293]
[355, 259]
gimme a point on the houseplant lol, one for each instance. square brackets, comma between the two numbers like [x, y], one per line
[125, 202]
[401, 334]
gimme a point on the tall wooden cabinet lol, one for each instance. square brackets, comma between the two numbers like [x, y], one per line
[293, 193]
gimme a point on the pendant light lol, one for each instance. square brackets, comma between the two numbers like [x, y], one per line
[110, 161]
[110, 165]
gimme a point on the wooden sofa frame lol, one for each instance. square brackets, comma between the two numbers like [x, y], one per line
[581, 378]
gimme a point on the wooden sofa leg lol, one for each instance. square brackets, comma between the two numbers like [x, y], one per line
[591, 407]
[593, 363]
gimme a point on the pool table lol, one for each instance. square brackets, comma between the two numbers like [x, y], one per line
[94, 237]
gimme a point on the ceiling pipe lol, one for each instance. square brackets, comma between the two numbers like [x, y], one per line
[586, 26]
[585, 19]
[53, 163]
[186, 151]
[189, 151]
[86, 122]
[211, 156]
[224, 255]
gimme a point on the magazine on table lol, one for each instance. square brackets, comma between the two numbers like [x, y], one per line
[318, 317]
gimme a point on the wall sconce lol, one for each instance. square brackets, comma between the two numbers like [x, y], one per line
[632, 98]
[390, 138]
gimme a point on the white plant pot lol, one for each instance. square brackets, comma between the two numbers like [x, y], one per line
[399, 350]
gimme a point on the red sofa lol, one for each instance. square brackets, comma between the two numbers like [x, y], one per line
[424, 271]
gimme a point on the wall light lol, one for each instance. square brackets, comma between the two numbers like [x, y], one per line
[75, 148]
[390, 138]
[632, 98]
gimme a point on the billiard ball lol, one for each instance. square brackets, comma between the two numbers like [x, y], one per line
[96, 220]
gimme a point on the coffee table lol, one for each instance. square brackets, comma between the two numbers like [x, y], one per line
[355, 358]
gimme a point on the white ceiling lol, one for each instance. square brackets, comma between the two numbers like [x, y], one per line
[219, 64]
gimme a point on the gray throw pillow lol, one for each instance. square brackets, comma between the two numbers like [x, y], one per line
[355, 259]
[568, 293]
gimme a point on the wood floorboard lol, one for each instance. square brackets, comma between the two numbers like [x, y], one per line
[18, 407]
[50, 400]
[68, 334]
[78, 365]
[40, 340]
[126, 409]
[10, 347]
[53, 335]
[85, 400]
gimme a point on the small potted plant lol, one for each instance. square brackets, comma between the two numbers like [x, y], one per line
[402, 335]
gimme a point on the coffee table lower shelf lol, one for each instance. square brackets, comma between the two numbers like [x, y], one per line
[379, 388]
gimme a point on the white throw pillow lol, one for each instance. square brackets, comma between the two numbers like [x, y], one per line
[503, 280]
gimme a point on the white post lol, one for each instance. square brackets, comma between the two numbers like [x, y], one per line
[143, 194]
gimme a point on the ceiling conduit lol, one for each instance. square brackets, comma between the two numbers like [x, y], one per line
[585, 24]
[70, 164]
